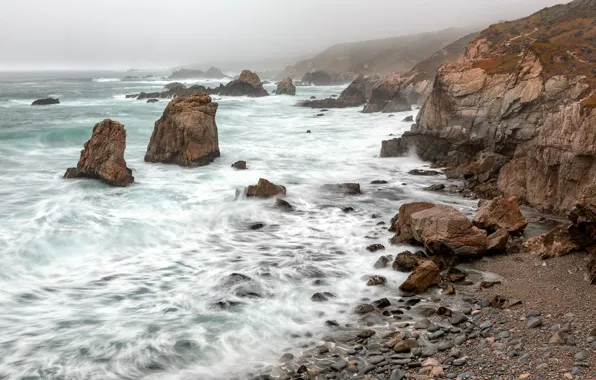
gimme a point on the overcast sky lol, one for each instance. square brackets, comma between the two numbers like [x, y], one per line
[50, 34]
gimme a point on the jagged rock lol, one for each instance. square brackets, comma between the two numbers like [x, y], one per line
[408, 119]
[103, 156]
[248, 84]
[500, 213]
[425, 275]
[554, 243]
[385, 97]
[240, 165]
[284, 205]
[424, 172]
[443, 230]
[286, 87]
[529, 101]
[407, 261]
[264, 189]
[375, 247]
[376, 280]
[382, 262]
[497, 241]
[186, 134]
[152, 100]
[401, 222]
[174, 90]
[435, 187]
[45, 102]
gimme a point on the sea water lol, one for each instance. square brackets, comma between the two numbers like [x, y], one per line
[134, 283]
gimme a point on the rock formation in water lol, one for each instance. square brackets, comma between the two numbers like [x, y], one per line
[215, 73]
[264, 189]
[45, 102]
[248, 84]
[353, 96]
[286, 87]
[103, 156]
[174, 90]
[187, 74]
[326, 78]
[523, 93]
[186, 134]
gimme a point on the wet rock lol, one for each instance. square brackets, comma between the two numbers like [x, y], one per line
[339, 365]
[382, 262]
[256, 226]
[497, 241]
[186, 134]
[236, 278]
[422, 324]
[364, 309]
[45, 102]
[423, 172]
[376, 280]
[405, 345]
[264, 189]
[284, 205]
[500, 213]
[286, 87]
[375, 247]
[425, 275]
[320, 114]
[321, 297]
[454, 275]
[347, 209]
[378, 182]
[248, 84]
[458, 318]
[443, 230]
[347, 188]
[152, 100]
[308, 131]
[382, 303]
[407, 261]
[286, 357]
[102, 156]
[240, 165]
[436, 187]
[408, 119]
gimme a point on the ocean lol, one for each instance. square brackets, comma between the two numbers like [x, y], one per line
[136, 283]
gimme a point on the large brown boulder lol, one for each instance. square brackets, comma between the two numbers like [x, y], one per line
[401, 223]
[186, 134]
[425, 275]
[443, 230]
[497, 241]
[286, 87]
[250, 77]
[264, 189]
[103, 156]
[500, 213]
[555, 243]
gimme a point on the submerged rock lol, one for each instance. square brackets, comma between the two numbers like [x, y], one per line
[103, 156]
[45, 102]
[186, 134]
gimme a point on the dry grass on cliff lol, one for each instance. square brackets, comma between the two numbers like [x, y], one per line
[563, 37]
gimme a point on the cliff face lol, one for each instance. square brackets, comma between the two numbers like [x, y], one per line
[522, 94]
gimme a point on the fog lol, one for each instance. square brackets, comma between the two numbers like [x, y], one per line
[120, 34]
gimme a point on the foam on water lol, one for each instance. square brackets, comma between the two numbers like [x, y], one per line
[134, 283]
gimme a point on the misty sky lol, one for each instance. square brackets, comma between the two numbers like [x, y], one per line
[50, 34]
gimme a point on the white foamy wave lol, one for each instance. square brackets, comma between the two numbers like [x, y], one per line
[101, 80]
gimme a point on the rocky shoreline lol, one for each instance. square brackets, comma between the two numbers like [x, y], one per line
[474, 325]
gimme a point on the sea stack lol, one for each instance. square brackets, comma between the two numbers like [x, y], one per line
[248, 84]
[186, 134]
[286, 87]
[103, 156]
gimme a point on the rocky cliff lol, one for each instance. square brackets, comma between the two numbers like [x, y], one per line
[515, 113]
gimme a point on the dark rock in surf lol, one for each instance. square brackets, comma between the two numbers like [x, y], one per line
[45, 102]
[408, 119]
[240, 165]
[103, 156]
[423, 172]
[375, 247]
[436, 187]
[152, 100]
[264, 189]
[248, 84]
[256, 226]
[284, 205]
[382, 262]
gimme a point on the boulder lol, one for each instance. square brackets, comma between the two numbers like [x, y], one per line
[401, 222]
[251, 78]
[45, 102]
[103, 156]
[240, 165]
[554, 243]
[264, 189]
[186, 134]
[443, 230]
[497, 241]
[286, 87]
[500, 213]
[407, 261]
[424, 276]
